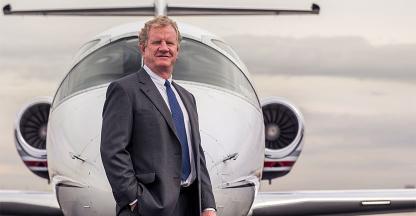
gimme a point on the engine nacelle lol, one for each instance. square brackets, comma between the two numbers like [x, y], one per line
[30, 135]
[284, 130]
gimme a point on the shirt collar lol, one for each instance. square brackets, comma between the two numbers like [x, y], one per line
[156, 78]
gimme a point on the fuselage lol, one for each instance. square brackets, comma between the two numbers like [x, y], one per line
[230, 116]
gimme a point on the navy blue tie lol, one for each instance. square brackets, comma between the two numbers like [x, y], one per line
[179, 122]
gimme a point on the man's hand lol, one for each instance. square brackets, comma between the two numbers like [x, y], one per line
[133, 206]
[209, 213]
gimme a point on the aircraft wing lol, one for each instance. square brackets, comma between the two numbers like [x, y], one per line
[347, 202]
[28, 203]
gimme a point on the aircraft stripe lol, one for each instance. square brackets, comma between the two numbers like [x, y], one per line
[269, 164]
[277, 169]
[38, 168]
[36, 163]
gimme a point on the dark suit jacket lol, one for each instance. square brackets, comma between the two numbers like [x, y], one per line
[140, 149]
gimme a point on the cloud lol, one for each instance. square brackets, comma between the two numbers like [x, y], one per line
[328, 56]
[34, 60]
[382, 132]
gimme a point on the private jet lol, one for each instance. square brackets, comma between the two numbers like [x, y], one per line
[58, 138]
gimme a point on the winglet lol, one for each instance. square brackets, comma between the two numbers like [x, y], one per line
[6, 9]
[315, 9]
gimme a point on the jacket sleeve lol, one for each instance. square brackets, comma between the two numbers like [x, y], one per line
[115, 138]
[207, 196]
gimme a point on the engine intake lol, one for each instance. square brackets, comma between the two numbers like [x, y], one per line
[281, 125]
[284, 128]
[30, 135]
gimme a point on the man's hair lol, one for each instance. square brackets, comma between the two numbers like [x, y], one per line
[157, 22]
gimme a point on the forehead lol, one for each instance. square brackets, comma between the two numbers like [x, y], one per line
[167, 30]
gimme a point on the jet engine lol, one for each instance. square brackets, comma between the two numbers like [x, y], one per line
[284, 130]
[30, 135]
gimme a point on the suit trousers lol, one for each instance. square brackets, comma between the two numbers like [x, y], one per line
[187, 204]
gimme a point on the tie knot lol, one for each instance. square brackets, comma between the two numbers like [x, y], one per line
[167, 83]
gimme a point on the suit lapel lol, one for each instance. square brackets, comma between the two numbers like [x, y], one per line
[147, 86]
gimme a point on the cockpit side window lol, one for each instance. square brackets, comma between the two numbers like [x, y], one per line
[227, 48]
[201, 63]
[106, 64]
[87, 47]
[112, 62]
[197, 62]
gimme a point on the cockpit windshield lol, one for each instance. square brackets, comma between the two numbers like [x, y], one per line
[197, 62]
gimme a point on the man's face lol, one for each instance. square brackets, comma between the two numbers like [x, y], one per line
[161, 50]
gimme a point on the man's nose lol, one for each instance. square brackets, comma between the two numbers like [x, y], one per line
[164, 46]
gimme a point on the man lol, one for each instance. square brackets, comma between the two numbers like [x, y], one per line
[150, 141]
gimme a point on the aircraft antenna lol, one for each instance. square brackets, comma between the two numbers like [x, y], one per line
[160, 8]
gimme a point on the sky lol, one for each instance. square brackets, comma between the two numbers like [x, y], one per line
[350, 70]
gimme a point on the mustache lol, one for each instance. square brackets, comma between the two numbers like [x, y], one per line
[163, 54]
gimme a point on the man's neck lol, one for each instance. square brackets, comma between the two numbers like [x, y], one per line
[163, 72]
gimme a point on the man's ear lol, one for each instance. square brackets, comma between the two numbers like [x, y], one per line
[142, 47]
